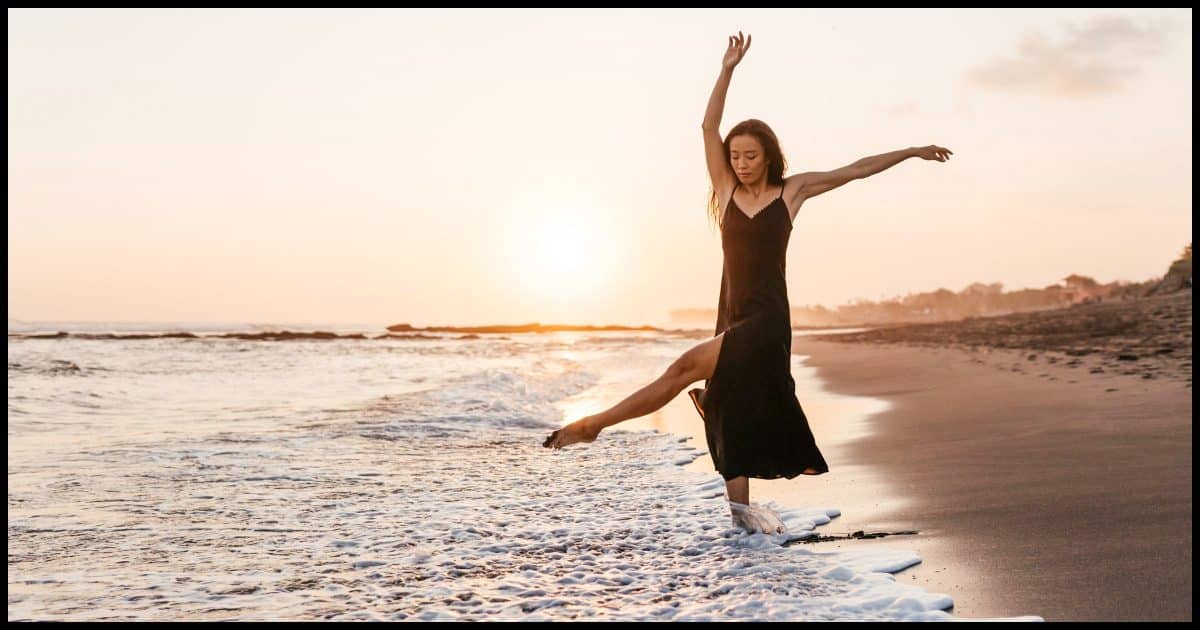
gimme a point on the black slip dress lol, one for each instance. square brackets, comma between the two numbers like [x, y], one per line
[753, 422]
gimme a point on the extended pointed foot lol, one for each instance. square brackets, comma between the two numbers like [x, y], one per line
[578, 431]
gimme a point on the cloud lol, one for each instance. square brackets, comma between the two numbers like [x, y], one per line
[1094, 59]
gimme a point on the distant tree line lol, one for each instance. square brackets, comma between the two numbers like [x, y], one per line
[976, 300]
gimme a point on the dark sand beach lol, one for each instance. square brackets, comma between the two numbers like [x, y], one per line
[1038, 486]
[1043, 480]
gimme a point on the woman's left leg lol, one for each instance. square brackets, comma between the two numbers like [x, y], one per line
[695, 364]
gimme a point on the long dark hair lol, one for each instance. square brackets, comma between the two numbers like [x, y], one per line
[776, 163]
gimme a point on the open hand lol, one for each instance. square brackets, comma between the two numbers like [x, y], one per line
[934, 152]
[737, 49]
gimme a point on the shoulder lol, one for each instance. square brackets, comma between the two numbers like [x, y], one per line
[793, 192]
[794, 184]
[724, 192]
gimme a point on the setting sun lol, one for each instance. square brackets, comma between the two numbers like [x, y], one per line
[561, 255]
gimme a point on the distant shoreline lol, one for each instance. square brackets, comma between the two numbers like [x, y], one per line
[465, 332]
[1149, 337]
[1068, 325]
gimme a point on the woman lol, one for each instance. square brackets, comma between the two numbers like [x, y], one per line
[754, 424]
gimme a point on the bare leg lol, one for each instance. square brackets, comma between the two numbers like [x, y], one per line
[645, 400]
[738, 490]
[695, 364]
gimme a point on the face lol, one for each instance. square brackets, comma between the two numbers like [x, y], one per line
[747, 158]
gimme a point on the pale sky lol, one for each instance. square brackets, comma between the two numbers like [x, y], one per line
[468, 167]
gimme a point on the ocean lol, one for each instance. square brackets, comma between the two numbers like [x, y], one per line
[388, 479]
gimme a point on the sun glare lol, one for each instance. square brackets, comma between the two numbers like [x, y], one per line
[561, 256]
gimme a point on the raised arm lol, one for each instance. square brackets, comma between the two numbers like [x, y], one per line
[813, 183]
[719, 170]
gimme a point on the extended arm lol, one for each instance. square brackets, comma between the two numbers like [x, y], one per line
[719, 170]
[716, 101]
[868, 166]
[814, 183]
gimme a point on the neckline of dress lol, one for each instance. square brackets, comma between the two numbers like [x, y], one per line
[733, 202]
[756, 214]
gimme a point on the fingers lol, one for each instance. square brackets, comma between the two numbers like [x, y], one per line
[740, 41]
[940, 154]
